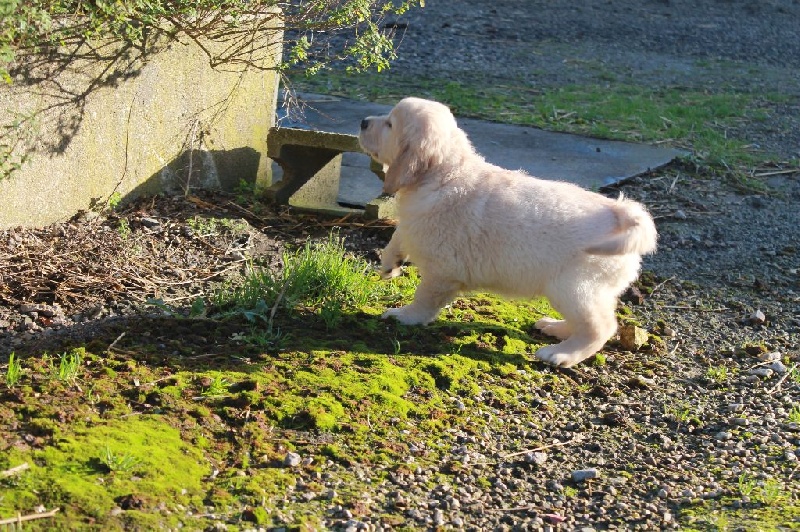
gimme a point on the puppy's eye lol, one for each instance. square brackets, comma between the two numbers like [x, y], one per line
[388, 124]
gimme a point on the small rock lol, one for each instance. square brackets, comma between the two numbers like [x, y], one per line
[778, 367]
[687, 493]
[772, 356]
[537, 458]
[642, 381]
[663, 494]
[633, 295]
[582, 475]
[632, 338]
[680, 214]
[292, 460]
[235, 255]
[757, 317]
[150, 222]
[554, 519]
[740, 421]
[761, 372]
[790, 456]
[438, 517]
[723, 435]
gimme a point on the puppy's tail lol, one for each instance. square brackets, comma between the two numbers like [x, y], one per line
[635, 231]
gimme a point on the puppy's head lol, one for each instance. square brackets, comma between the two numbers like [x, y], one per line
[414, 138]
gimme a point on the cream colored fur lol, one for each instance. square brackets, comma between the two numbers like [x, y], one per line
[469, 225]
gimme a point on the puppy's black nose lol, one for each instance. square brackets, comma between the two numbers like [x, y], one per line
[364, 124]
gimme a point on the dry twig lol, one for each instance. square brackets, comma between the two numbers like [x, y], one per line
[30, 517]
[14, 470]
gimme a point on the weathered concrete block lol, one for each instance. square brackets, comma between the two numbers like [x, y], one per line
[170, 123]
[311, 162]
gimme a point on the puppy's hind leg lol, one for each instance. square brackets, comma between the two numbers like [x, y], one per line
[432, 294]
[591, 325]
[392, 257]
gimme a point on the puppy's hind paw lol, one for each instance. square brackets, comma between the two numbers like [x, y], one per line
[551, 355]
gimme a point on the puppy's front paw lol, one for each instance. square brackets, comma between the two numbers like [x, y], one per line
[406, 316]
[552, 355]
[391, 274]
[553, 327]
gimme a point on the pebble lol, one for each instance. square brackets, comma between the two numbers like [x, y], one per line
[582, 475]
[770, 356]
[150, 222]
[537, 458]
[723, 435]
[292, 460]
[761, 372]
[757, 317]
[778, 367]
[633, 338]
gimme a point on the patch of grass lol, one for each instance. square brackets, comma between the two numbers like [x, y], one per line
[771, 492]
[13, 371]
[693, 119]
[718, 374]
[746, 484]
[69, 365]
[710, 515]
[124, 229]
[794, 375]
[210, 225]
[318, 275]
[794, 414]
[683, 414]
[217, 386]
[118, 462]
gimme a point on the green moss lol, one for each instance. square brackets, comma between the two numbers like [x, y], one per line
[513, 346]
[72, 475]
[720, 515]
[325, 411]
[456, 373]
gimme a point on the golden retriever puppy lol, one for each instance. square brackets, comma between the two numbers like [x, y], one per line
[469, 225]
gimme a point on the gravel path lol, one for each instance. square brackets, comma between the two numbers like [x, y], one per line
[703, 431]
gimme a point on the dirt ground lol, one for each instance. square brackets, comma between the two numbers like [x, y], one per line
[698, 430]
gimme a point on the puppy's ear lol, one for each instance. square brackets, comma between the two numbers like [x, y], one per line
[400, 171]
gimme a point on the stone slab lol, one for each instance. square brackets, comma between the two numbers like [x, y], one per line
[589, 162]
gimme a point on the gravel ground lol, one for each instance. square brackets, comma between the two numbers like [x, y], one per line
[646, 440]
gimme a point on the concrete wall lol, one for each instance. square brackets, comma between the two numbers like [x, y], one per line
[139, 131]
